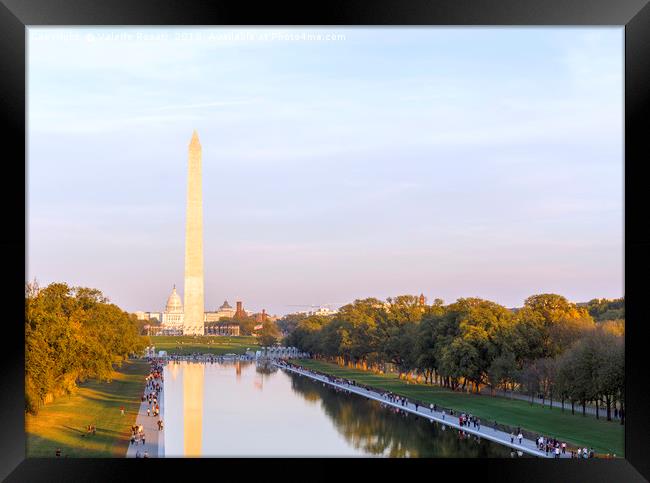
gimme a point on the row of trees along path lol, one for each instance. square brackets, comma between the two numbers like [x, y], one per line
[550, 346]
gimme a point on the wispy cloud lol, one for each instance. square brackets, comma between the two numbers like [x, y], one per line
[205, 105]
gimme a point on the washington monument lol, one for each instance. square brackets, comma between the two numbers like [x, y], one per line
[193, 293]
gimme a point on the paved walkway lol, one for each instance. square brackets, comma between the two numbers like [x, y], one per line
[501, 437]
[154, 439]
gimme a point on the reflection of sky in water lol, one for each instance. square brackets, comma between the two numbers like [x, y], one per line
[235, 409]
[249, 414]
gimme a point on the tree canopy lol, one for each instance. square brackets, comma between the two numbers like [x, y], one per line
[72, 333]
[474, 342]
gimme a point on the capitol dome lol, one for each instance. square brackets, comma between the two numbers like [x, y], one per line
[174, 304]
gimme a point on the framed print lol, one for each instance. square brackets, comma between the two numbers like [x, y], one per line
[361, 237]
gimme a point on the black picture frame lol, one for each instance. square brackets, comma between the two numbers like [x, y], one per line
[15, 15]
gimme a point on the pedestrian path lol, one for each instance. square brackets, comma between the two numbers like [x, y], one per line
[501, 437]
[161, 433]
[154, 438]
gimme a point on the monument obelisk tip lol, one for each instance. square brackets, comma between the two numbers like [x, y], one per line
[195, 139]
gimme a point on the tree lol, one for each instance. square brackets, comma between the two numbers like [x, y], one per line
[425, 345]
[604, 309]
[549, 323]
[503, 370]
[471, 350]
[358, 328]
[269, 335]
[610, 373]
[531, 376]
[246, 324]
[459, 360]
[593, 369]
[72, 334]
[306, 334]
[395, 333]
[289, 322]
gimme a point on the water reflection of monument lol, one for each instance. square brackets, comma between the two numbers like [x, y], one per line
[173, 369]
[193, 377]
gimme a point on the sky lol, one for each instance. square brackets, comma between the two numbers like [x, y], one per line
[337, 163]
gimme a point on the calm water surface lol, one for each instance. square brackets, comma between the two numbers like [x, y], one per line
[242, 409]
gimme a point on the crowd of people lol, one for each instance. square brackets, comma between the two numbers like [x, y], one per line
[465, 420]
[552, 446]
[137, 434]
[153, 387]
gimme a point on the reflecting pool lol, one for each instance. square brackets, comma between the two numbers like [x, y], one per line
[245, 409]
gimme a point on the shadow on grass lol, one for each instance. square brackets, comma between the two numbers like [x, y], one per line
[82, 432]
[38, 446]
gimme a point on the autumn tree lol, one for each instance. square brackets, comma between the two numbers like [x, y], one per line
[72, 333]
[548, 323]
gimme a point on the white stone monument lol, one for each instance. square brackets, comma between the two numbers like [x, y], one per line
[193, 323]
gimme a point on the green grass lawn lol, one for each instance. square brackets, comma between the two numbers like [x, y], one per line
[218, 345]
[604, 436]
[62, 424]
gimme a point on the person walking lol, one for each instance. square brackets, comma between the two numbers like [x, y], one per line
[443, 414]
[122, 410]
[512, 438]
[563, 448]
[520, 437]
[148, 412]
[557, 452]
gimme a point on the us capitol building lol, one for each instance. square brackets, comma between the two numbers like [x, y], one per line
[172, 317]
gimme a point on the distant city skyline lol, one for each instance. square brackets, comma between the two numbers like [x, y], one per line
[374, 162]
